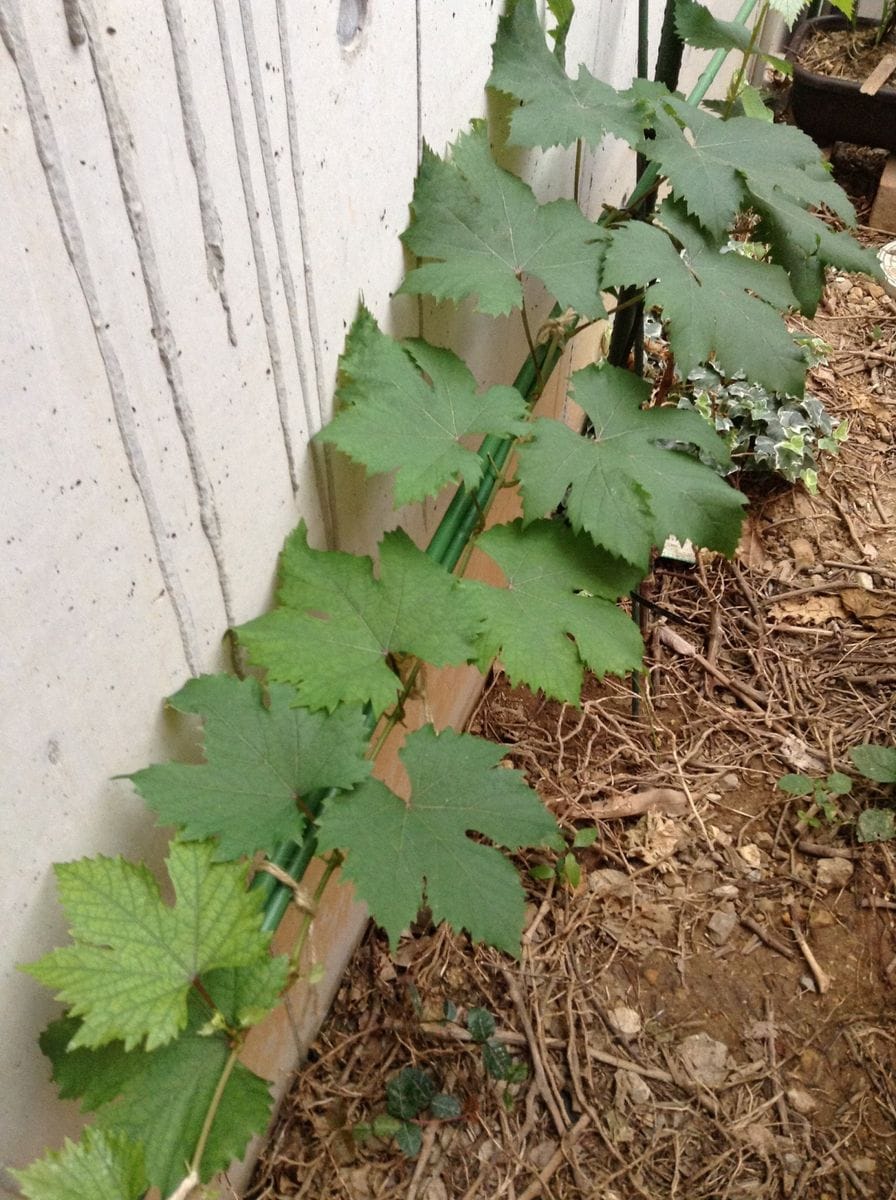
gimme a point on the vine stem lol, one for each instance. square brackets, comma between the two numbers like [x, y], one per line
[332, 864]
[527, 330]
[737, 79]
[213, 1108]
[578, 171]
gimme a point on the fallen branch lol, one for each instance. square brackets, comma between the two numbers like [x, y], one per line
[822, 980]
[750, 696]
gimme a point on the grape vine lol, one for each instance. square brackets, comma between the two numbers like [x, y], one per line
[159, 997]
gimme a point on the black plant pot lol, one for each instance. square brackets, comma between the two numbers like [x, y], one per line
[834, 110]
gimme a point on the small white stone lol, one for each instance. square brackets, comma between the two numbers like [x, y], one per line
[632, 1088]
[751, 855]
[801, 1100]
[728, 891]
[833, 872]
[705, 1059]
[729, 781]
[624, 1022]
[721, 926]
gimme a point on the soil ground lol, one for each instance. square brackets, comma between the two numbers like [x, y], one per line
[710, 1012]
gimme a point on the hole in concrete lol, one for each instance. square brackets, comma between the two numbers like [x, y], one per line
[350, 22]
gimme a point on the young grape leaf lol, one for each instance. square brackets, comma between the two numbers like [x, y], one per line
[698, 27]
[406, 407]
[717, 304]
[161, 1098]
[103, 1166]
[488, 231]
[399, 852]
[559, 588]
[625, 490]
[804, 245]
[336, 624]
[563, 12]
[557, 110]
[134, 958]
[260, 760]
[244, 995]
[715, 167]
[875, 762]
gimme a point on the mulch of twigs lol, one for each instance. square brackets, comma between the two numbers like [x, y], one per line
[710, 1014]
[845, 53]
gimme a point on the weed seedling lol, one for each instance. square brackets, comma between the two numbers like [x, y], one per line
[567, 869]
[823, 793]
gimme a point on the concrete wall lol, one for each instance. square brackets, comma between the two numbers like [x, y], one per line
[194, 194]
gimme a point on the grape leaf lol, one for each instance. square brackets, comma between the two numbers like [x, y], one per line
[161, 1098]
[134, 958]
[628, 492]
[716, 304]
[399, 853]
[407, 406]
[559, 587]
[698, 27]
[804, 246]
[336, 624]
[715, 168]
[488, 231]
[557, 110]
[103, 1166]
[260, 759]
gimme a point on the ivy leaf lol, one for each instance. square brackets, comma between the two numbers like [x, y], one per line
[488, 231]
[625, 490]
[406, 408]
[103, 1166]
[134, 958]
[559, 588]
[160, 1098]
[557, 110]
[717, 304]
[409, 1092]
[715, 168]
[698, 27]
[260, 759]
[409, 1139]
[480, 1024]
[399, 853]
[336, 624]
[444, 1107]
[496, 1059]
[875, 762]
